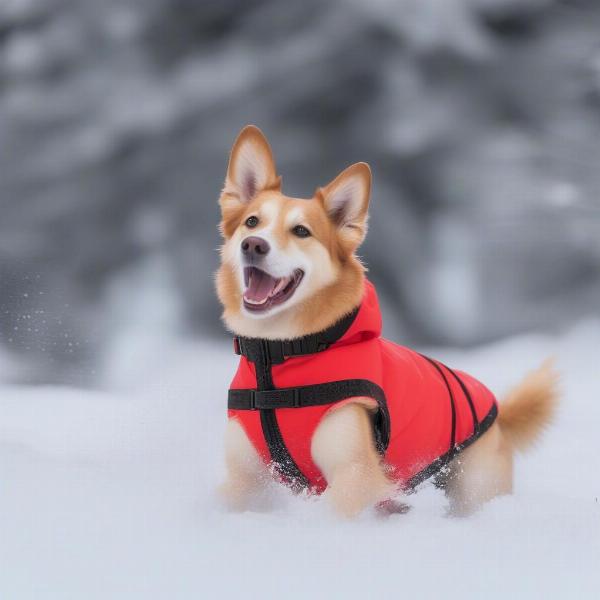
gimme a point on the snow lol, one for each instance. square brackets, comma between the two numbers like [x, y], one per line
[109, 494]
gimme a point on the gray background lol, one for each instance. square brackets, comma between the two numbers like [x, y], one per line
[479, 118]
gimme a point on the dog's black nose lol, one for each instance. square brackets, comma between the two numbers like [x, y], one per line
[255, 247]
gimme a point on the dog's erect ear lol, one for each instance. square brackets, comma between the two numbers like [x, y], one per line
[346, 200]
[251, 168]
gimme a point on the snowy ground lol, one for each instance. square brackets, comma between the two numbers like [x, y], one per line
[109, 495]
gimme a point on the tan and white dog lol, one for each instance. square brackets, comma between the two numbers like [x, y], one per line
[310, 277]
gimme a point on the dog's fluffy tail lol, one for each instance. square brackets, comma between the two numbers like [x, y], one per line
[530, 407]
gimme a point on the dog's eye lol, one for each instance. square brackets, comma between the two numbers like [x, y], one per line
[300, 231]
[252, 222]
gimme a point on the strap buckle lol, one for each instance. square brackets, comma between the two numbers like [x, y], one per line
[273, 352]
[278, 398]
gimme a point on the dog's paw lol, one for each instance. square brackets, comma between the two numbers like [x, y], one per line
[391, 507]
[236, 497]
[233, 496]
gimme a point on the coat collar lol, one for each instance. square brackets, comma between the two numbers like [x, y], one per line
[364, 322]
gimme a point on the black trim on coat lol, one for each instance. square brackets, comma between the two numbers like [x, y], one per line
[275, 352]
[439, 463]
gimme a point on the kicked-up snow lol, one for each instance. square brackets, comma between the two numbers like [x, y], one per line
[110, 495]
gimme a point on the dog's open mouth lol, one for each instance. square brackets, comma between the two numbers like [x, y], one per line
[264, 291]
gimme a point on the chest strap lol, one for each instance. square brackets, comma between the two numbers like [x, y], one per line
[318, 395]
[276, 351]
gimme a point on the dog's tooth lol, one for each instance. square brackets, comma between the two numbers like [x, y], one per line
[280, 285]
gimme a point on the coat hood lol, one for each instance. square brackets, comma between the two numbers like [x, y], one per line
[367, 324]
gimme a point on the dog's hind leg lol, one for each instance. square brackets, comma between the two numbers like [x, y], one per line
[246, 473]
[479, 473]
[485, 469]
[344, 449]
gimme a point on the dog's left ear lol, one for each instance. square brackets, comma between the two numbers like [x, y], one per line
[346, 201]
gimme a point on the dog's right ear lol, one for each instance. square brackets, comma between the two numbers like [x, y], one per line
[251, 169]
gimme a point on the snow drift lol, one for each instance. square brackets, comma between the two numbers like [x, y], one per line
[110, 495]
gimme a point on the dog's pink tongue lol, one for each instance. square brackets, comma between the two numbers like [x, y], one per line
[260, 285]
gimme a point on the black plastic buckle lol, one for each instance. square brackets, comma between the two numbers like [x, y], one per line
[306, 346]
[236, 345]
[273, 352]
[278, 398]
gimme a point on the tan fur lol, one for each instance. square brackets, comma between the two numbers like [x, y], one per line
[485, 469]
[530, 407]
[480, 473]
[343, 445]
[343, 448]
[324, 305]
[246, 473]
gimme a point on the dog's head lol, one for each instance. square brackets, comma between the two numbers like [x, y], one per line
[288, 265]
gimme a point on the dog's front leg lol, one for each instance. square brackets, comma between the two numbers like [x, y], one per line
[246, 474]
[344, 449]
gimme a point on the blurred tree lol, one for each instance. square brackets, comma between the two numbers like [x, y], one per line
[480, 118]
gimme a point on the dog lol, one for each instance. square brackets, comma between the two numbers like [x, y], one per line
[320, 401]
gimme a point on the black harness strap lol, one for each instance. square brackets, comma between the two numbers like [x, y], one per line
[266, 353]
[276, 351]
[452, 403]
[280, 456]
[467, 394]
[318, 395]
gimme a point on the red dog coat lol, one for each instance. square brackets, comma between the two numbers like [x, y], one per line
[426, 413]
